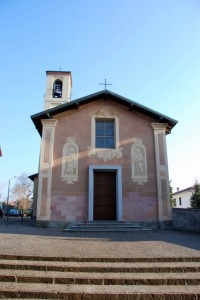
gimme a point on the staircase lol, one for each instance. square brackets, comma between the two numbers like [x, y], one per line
[106, 226]
[29, 277]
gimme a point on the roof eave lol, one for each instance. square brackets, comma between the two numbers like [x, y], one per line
[132, 105]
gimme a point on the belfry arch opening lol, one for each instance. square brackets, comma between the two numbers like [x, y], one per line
[57, 89]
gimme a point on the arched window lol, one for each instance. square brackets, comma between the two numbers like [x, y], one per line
[57, 89]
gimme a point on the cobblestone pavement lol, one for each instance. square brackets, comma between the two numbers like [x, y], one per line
[23, 238]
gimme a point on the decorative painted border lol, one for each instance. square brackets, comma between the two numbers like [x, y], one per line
[105, 154]
[45, 169]
[164, 209]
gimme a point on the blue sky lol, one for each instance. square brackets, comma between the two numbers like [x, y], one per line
[148, 49]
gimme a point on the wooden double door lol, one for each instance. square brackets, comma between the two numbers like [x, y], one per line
[104, 195]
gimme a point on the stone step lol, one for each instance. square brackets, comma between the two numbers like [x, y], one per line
[77, 278]
[101, 267]
[103, 229]
[109, 223]
[95, 278]
[96, 292]
[163, 259]
[106, 226]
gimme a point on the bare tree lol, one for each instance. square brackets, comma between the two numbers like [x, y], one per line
[23, 189]
[23, 204]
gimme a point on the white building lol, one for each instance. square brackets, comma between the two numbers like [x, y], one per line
[182, 198]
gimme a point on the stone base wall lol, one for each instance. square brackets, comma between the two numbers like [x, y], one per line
[148, 224]
[186, 219]
[52, 224]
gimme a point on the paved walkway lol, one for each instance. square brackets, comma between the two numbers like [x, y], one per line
[17, 238]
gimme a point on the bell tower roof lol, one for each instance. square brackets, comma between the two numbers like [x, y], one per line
[59, 73]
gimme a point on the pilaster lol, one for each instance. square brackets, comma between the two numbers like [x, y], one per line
[164, 210]
[45, 169]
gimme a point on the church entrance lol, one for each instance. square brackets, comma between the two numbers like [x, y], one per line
[104, 195]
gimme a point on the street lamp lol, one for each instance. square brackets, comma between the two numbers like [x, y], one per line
[8, 198]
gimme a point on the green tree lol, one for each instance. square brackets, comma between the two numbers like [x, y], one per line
[195, 198]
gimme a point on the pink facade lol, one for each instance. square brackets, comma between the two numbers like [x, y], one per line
[63, 197]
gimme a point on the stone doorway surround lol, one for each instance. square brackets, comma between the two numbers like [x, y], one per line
[105, 168]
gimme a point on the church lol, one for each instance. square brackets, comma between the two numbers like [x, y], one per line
[103, 157]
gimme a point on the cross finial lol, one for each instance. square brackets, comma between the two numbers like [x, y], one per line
[105, 84]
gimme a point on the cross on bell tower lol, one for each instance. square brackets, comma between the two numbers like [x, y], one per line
[105, 84]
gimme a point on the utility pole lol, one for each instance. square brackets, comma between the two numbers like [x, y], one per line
[8, 198]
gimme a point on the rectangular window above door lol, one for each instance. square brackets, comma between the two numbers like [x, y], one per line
[105, 134]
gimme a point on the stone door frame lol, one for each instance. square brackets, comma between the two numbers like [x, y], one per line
[105, 168]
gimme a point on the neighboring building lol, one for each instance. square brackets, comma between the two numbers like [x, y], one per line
[102, 157]
[181, 198]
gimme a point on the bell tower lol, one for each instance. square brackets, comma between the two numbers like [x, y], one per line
[58, 88]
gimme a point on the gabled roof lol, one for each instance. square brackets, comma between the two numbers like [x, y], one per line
[189, 189]
[131, 105]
